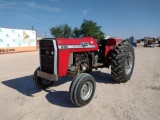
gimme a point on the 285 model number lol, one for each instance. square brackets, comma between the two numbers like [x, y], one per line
[64, 46]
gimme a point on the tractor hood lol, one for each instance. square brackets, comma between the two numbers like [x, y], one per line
[77, 43]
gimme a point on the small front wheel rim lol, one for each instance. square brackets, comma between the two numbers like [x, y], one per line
[86, 90]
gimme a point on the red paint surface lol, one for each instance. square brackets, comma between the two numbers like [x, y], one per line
[64, 54]
[63, 60]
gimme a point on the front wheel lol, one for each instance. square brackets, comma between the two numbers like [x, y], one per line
[41, 82]
[122, 62]
[82, 89]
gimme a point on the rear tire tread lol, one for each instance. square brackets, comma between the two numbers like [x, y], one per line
[118, 61]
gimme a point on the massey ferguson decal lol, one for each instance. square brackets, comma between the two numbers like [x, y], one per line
[82, 45]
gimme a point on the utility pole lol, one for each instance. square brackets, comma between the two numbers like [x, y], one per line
[32, 28]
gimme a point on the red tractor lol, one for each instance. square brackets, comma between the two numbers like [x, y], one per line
[77, 57]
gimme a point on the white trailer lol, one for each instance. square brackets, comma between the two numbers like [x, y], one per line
[17, 40]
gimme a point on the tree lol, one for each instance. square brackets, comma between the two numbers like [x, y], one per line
[76, 33]
[90, 28]
[61, 31]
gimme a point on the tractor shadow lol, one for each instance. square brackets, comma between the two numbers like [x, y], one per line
[24, 85]
[59, 98]
[99, 76]
[62, 80]
[102, 77]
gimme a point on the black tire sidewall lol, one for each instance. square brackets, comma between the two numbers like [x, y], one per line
[77, 93]
[38, 81]
[118, 59]
[35, 76]
[129, 48]
[72, 86]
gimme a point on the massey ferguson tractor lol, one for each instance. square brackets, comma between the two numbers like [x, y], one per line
[76, 57]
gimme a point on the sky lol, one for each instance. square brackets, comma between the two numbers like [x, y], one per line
[118, 18]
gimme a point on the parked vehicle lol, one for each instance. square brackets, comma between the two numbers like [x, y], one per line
[76, 57]
[158, 40]
[133, 41]
[149, 42]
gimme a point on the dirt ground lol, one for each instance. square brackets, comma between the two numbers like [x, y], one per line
[138, 99]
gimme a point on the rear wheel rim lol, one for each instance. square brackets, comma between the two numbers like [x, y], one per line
[86, 90]
[128, 63]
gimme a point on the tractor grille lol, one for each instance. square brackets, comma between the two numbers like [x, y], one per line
[47, 56]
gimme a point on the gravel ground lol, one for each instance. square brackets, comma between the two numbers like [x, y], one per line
[138, 99]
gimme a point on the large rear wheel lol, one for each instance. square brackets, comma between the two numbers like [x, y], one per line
[122, 62]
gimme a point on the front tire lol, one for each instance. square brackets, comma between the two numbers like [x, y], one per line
[40, 82]
[82, 89]
[122, 62]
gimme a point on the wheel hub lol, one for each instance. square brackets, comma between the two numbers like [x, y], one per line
[86, 90]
